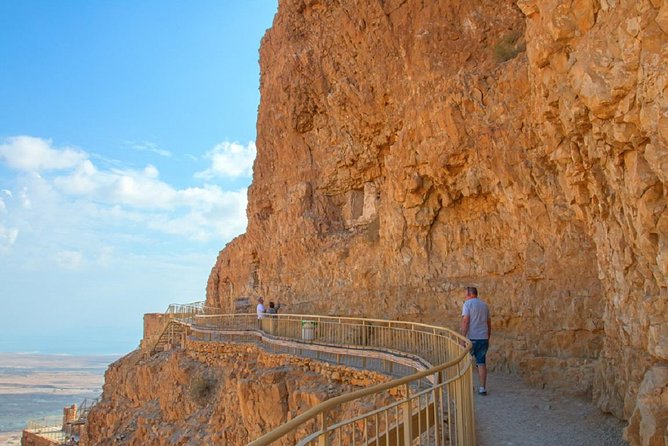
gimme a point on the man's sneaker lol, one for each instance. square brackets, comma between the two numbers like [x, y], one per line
[482, 391]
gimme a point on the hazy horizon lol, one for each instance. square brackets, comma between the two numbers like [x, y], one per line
[92, 350]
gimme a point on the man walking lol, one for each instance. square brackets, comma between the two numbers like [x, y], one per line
[477, 326]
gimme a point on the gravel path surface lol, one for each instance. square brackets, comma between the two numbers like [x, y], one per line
[514, 413]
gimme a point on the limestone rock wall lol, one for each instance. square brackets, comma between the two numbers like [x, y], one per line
[600, 74]
[409, 148]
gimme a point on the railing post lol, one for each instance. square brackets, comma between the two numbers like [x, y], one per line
[364, 334]
[470, 414]
[323, 439]
[408, 417]
[459, 408]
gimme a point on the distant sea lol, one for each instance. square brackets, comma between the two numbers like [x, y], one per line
[34, 386]
[17, 410]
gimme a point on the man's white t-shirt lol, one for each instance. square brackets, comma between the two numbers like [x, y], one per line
[260, 311]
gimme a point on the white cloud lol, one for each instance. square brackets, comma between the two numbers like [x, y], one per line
[137, 188]
[83, 180]
[229, 160]
[213, 213]
[69, 259]
[89, 203]
[141, 189]
[32, 154]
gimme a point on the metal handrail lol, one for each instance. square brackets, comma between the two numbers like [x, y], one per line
[387, 336]
[49, 428]
[342, 399]
[450, 381]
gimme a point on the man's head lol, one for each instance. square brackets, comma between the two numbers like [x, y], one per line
[471, 292]
[260, 300]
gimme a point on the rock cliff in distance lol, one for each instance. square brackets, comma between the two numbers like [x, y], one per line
[409, 148]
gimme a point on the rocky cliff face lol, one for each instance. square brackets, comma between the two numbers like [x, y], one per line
[212, 393]
[408, 148]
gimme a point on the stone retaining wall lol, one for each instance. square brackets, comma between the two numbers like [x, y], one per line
[211, 353]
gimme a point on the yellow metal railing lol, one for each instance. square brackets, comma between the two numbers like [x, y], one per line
[49, 428]
[171, 330]
[433, 405]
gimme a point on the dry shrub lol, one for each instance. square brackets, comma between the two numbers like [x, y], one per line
[202, 387]
[509, 47]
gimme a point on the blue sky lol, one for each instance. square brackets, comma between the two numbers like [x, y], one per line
[127, 134]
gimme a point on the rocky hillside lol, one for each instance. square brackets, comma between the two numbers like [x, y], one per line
[408, 148]
[212, 393]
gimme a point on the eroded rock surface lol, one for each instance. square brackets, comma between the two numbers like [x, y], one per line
[212, 393]
[407, 149]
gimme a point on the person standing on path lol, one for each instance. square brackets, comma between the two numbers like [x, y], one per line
[273, 309]
[260, 311]
[477, 326]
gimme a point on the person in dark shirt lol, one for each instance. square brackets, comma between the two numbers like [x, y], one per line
[273, 309]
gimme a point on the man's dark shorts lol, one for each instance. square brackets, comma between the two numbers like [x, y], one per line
[479, 350]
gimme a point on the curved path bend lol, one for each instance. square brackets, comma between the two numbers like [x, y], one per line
[516, 414]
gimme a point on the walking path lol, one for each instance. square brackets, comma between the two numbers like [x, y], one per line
[516, 414]
[512, 414]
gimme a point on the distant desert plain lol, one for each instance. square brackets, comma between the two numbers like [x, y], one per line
[34, 386]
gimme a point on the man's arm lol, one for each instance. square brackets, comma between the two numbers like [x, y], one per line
[464, 329]
[489, 327]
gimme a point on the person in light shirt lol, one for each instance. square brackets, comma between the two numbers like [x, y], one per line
[260, 308]
[477, 326]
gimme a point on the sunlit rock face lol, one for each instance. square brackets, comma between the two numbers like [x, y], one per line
[409, 148]
[215, 393]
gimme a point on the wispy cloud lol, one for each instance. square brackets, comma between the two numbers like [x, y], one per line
[7, 236]
[229, 160]
[69, 259]
[147, 146]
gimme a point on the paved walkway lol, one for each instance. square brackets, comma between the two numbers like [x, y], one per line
[515, 414]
